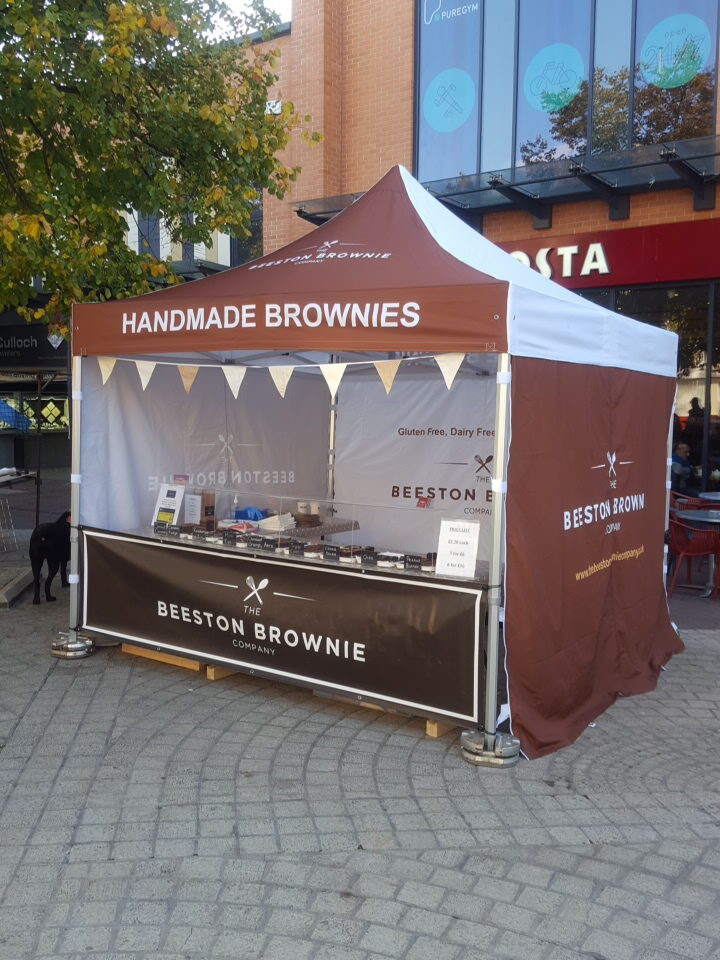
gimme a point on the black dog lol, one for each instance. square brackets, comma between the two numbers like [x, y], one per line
[51, 542]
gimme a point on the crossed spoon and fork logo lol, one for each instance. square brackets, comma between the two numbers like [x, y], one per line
[255, 590]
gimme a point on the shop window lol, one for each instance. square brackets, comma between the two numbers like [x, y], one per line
[674, 72]
[714, 402]
[684, 310]
[448, 88]
[498, 85]
[610, 114]
[604, 297]
[553, 65]
[506, 83]
[18, 412]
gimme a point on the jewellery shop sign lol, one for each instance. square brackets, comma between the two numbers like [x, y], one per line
[412, 644]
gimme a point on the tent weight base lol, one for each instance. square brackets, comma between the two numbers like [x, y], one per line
[72, 646]
[489, 750]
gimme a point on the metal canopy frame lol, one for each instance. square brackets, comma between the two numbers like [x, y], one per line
[539, 211]
[536, 187]
[618, 203]
[703, 189]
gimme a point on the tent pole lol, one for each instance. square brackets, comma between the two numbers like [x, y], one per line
[331, 445]
[668, 487]
[486, 747]
[72, 645]
[38, 435]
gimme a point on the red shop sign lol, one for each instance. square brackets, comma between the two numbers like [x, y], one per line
[666, 253]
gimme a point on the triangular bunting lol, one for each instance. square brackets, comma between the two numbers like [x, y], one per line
[145, 370]
[387, 370]
[107, 365]
[333, 373]
[234, 377]
[187, 375]
[281, 377]
[449, 364]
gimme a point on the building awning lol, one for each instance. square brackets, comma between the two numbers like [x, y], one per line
[536, 187]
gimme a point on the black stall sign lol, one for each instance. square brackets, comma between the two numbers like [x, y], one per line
[413, 644]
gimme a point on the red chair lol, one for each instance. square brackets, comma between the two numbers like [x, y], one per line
[680, 501]
[687, 542]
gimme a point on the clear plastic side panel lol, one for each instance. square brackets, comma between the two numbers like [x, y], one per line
[149, 434]
[406, 487]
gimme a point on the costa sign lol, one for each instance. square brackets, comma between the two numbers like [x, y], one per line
[571, 259]
[665, 253]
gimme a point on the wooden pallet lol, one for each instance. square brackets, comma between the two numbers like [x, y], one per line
[433, 728]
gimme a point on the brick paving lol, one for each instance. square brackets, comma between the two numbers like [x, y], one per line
[146, 812]
[149, 814]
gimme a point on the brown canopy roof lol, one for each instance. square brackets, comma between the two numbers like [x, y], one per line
[373, 278]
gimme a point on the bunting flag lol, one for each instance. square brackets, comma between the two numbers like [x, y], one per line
[333, 373]
[145, 370]
[234, 377]
[281, 378]
[449, 364]
[187, 375]
[387, 370]
[107, 365]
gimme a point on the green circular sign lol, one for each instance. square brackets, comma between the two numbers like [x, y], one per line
[676, 50]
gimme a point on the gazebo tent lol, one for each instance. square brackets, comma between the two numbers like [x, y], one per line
[584, 401]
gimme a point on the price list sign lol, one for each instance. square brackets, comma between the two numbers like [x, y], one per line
[457, 548]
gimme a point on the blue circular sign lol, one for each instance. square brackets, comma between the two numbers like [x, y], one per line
[449, 100]
[553, 77]
[675, 51]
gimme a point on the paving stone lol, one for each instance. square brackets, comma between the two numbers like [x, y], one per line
[385, 940]
[609, 945]
[420, 894]
[284, 948]
[426, 948]
[341, 930]
[225, 820]
[508, 916]
[687, 944]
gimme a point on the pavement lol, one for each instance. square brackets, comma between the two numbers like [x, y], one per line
[147, 813]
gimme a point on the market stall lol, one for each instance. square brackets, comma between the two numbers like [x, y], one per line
[474, 442]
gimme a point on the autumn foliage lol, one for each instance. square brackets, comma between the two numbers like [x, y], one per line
[110, 107]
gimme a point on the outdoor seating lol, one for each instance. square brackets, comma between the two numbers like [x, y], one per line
[687, 542]
[679, 501]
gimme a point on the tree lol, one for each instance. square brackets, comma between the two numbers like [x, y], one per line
[108, 107]
[661, 114]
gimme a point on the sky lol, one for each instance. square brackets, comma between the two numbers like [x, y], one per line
[280, 7]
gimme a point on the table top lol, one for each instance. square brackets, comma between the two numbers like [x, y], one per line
[702, 516]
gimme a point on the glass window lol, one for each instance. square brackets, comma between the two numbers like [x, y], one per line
[611, 76]
[245, 249]
[448, 88]
[498, 85]
[675, 59]
[604, 297]
[684, 310]
[713, 465]
[552, 97]
[149, 235]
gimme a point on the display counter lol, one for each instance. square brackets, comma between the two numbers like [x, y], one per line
[394, 636]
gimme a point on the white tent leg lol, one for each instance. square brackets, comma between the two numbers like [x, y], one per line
[72, 645]
[485, 746]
